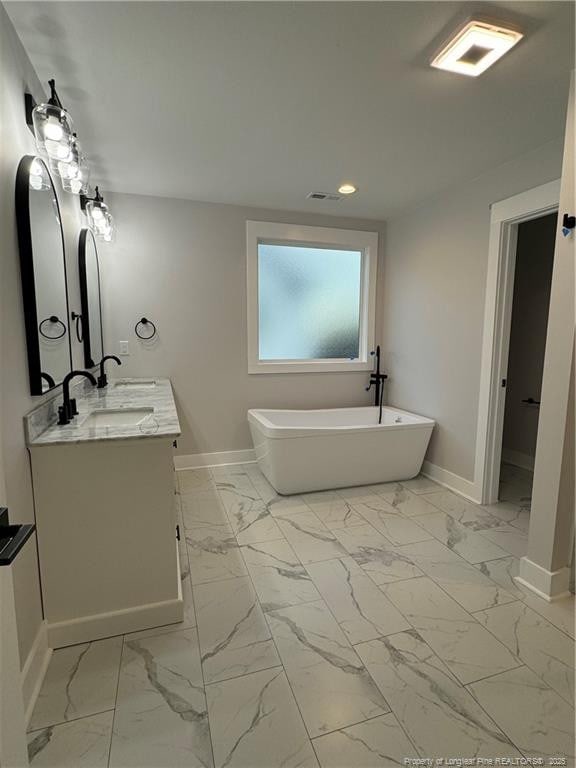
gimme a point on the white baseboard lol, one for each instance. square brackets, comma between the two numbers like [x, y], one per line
[198, 460]
[518, 459]
[113, 623]
[34, 670]
[451, 481]
[550, 585]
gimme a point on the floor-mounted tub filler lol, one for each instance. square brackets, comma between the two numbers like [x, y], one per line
[301, 451]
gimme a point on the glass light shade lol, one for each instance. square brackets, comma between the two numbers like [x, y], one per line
[75, 173]
[79, 184]
[53, 131]
[95, 212]
[106, 230]
[39, 178]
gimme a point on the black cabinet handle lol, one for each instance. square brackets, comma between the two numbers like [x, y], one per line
[178, 532]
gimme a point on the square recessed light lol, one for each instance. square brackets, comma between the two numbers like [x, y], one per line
[475, 48]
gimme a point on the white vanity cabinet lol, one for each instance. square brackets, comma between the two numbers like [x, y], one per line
[107, 538]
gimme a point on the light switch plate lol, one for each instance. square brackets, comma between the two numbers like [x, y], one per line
[124, 348]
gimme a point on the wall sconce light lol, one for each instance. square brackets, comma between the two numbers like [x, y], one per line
[99, 219]
[75, 172]
[52, 127]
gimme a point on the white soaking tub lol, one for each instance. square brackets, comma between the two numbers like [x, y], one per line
[301, 451]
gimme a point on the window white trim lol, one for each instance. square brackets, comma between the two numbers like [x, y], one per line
[367, 242]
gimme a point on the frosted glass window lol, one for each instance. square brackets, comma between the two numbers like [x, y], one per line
[309, 302]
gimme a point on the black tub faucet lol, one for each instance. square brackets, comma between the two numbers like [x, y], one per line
[68, 409]
[103, 379]
[377, 378]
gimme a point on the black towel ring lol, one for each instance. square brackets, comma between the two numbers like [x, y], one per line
[52, 319]
[145, 322]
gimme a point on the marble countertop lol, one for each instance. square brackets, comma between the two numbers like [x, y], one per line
[162, 422]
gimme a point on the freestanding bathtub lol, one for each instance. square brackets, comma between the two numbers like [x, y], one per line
[301, 451]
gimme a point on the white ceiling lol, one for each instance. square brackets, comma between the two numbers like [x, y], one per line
[262, 103]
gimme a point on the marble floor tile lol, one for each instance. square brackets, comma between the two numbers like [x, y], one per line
[467, 648]
[397, 528]
[531, 714]
[560, 612]
[247, 513]
[541, 646]
[83, 743]
[511, 513]
[376, 743]
[334, 511]
[234, 637]
[263, 488]
[421, 484]
[278, 576]
[470, 515]
[357, 493]
[193, 480]
[81, 680]
[310, 538]
[462, 581]
[503, 572]
[359, 607]
[213, 554]
[201, 509]
[440, 716]
[252, 522]
[331, 685]
[255, 723]
[377, 557]
[279, 505]
[161, 716]
[407, 502]
[470, 545]
[510, 539]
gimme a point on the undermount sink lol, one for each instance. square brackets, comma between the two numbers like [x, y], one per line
[138, 384]
[117, 417]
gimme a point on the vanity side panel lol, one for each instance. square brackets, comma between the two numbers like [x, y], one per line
[105, 522]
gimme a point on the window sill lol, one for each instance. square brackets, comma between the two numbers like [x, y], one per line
[330, 366]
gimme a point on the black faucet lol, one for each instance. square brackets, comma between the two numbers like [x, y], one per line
[103, 379]
[378, 380]
[68, 409]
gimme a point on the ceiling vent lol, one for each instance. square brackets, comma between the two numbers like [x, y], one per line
[324, 196]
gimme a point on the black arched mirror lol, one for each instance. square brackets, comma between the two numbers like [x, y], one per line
[90, 295]
[43, 272]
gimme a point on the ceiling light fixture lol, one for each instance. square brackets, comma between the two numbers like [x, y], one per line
[475, 47]
[347, 189]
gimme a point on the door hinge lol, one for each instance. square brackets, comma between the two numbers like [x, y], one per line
[503, 382]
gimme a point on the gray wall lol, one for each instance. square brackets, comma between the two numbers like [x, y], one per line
[183, 264]
[17, 76]
[433, 304]
[532, 281]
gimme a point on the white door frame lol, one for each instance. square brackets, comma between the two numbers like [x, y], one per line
[505, 216]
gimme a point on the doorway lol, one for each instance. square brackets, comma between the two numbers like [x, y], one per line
[527, 344]
[506, 219]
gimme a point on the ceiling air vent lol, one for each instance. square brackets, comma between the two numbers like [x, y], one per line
[324, 196]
